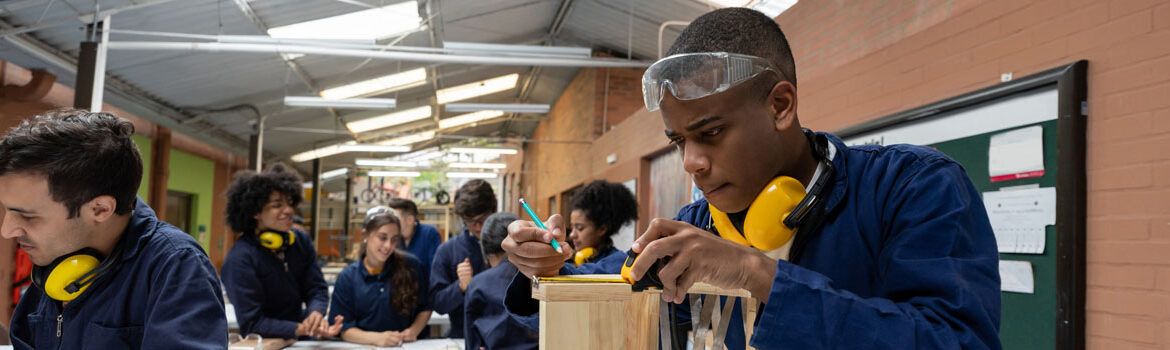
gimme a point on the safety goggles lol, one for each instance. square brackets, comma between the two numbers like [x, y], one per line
[692, 76]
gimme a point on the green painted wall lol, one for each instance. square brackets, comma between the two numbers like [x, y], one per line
[195, 175]
[144, 149]
[189, 173]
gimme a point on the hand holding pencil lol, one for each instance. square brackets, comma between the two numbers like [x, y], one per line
[531, 247]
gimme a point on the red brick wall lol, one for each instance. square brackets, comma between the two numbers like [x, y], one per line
[554, 160]
[589, 121]
[859, 60]
[1127, 44]
[619, 94]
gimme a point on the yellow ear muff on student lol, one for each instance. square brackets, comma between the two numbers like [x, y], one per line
[764, 224]
[69, 275]
[583, 255]
[276, 240]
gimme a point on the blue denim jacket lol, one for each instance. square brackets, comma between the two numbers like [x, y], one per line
[163, 294]
[902, 258]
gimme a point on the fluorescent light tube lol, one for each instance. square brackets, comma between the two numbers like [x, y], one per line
[333, 173]
[385, 163]
[379, 85]
[371, 24]
[458, 175]
[375, 148]
[478, 165]
[355, 103]
[464, 119]
[388, 120]
[483, 150]
[476, 89]
[394, 174]
[519, 50]
[504, 107]
[410, 139]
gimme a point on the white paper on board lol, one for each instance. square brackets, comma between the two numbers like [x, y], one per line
[1016, 276]
[1019, 218]
[1016, 154]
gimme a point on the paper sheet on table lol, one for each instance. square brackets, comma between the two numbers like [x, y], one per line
[1016, 154]
[1019, 218]
[1016, 276]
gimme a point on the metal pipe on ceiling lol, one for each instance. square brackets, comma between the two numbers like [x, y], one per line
[403, 56]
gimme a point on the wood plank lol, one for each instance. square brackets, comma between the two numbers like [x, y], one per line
[703, 288]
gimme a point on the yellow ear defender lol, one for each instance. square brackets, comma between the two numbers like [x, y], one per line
[583, 255]
[780, 208]
[276, 240]
[764, 226]
[71, 274]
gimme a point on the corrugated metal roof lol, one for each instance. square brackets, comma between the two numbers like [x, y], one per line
[212, 80]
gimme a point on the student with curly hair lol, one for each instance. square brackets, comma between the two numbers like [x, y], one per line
[383, 296]
[600, 209]
[272, 270]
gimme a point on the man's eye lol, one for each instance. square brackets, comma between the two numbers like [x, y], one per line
[712, 132]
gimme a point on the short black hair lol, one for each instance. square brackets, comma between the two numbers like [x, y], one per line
[606, 204]
[738, 30]
[475, 198]
[249, 192]
[495, 229]
[405, 205]
[82, 154]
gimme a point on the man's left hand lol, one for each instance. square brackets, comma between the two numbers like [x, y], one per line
[699, 256]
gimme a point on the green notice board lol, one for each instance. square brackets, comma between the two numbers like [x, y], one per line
[962, 127]
[1024, 316]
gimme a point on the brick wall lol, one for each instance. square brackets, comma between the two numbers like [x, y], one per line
[860, 60]
[1127, 44]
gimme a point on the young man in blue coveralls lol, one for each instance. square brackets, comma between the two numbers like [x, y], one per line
[893, 251]
[421, 240]
[108, 273]
[461, 258]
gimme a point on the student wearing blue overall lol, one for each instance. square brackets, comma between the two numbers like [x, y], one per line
[892, 247]
[486, 323]
[600, 209]
[272, 270]
[461, 257]
[420, 239]
[108, 274]
[382, 296]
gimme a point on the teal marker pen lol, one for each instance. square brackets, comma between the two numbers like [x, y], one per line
[540, 224]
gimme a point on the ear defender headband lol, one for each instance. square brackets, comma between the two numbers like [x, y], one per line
[71, 274]
[276, 240]
[776, 213]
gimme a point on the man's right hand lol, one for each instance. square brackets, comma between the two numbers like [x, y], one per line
[530, 250]
[464, 271]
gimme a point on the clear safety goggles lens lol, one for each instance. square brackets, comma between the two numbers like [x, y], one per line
[696, 75]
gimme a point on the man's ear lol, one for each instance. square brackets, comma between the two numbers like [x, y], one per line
[782, 101]
[100, 209]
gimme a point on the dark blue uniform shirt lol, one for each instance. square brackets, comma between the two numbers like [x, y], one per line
[364, 299]
[902, 257]
[446, 297]
[424, 243]
[162, 294]
[486, 323]
[268, 293]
